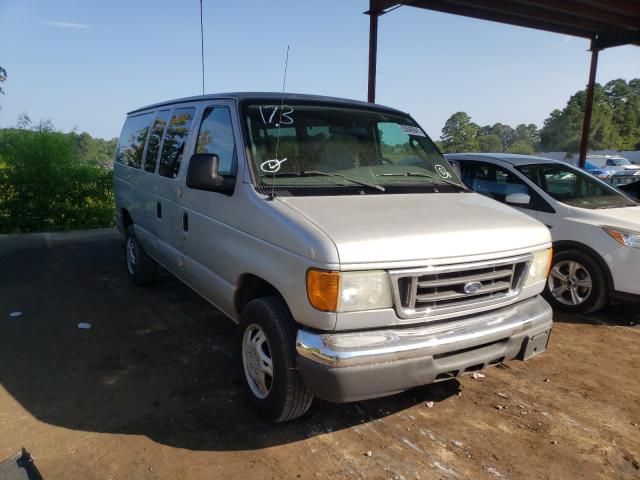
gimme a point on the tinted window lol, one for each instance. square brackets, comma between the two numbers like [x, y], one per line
[174, 141]
[494, 182]
[151, 157]
[216, 136]
[574, 187]
[132, 139]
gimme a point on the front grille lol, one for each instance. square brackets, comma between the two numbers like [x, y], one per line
[453, 289]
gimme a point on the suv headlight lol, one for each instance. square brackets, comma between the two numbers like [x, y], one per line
[628, 238]
[348, 291]
[540, 266]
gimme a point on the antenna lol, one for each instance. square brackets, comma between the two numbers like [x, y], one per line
[202, 46]
[284, 83]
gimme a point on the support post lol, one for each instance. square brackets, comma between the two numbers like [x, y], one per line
[373, 52]
[588, 107]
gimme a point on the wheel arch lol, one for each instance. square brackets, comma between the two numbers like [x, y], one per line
[126, 218]
[564, 245]
[252, 286]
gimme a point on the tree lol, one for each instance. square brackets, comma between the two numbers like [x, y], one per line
[489, 143]
[615, 120]
[521, 146]
[459, 134]
[45, 185]
[528, 134]
[3, 78]
[505, 132]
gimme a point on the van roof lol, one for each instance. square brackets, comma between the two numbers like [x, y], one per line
[267, 96]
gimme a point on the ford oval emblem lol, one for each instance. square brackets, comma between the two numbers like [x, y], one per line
[472, 287]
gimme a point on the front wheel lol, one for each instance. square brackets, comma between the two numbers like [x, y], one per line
[576, 283]
[267, 343]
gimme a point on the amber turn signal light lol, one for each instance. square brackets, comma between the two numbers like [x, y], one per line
[322, 289]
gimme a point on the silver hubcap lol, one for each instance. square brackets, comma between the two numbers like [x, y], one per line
[570, 283]
[256, 358]
[131, 255]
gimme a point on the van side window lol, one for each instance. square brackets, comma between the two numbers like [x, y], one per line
[174, 140]
[132, 140]
[216, 136]
[153, 147]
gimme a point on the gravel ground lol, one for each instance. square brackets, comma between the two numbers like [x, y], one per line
[153, 390]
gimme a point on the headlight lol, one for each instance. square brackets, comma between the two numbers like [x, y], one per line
[628, 238]
[348, 291]
[540, 266]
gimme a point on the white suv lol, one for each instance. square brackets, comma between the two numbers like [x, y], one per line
[595, 227]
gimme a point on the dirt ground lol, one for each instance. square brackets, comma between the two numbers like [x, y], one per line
[153, 390]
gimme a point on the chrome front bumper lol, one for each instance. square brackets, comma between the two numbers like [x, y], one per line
[351, 366]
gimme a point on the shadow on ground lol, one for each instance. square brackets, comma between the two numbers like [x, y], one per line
[157, 361]
[622, 315]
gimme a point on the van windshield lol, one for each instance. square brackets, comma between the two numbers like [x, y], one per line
[310, 144]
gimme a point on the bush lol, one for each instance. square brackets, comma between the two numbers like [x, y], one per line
[44, 185]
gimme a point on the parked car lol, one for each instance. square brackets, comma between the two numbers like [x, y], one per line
[355, 261]
[601, 173]
[619, 165]
[595, 227]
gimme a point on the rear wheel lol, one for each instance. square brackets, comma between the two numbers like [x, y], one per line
[140, 266]
[267, 343]
[576, 283]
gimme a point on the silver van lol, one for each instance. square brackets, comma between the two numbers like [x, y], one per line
[353, 258]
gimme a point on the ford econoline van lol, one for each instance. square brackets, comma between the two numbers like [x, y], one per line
[353, 258]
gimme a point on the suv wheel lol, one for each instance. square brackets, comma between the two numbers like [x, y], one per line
[576, 283]
[267, 343]
[140, 266]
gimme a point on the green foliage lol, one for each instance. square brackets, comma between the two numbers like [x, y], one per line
[490, 143]
[521, 146]
[615, 124]
[3, 78]
[615, 120]
[459, 134]
[46, 183]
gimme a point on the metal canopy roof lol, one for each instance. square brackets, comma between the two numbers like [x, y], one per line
[607, 23]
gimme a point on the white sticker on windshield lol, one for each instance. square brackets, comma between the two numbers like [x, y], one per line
[443, 172]
[272, 166]
[411, 130]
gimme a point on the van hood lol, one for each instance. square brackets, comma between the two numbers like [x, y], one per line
[411, 227]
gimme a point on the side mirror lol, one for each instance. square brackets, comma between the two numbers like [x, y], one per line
[518, 199]
[202, 174]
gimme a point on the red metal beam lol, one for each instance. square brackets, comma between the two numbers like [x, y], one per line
[588, 107]
[373, 54]
[529, 12]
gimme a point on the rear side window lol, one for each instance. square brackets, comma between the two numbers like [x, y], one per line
[132, 140]
[174, 140]
[151, 157]
[216, 136]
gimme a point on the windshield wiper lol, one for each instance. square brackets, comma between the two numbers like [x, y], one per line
[310, 173]
[426, 175]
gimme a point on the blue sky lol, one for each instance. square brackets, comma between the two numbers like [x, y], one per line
[85, 63]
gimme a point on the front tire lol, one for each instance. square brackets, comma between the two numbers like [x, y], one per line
[140, 266]
[576, 283]
[267, 343]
